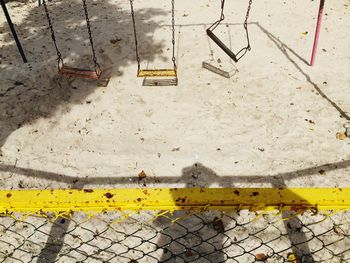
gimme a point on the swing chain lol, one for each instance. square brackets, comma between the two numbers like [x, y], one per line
[246, 23]
[222, 16]
[59, 55]
[135, 35]
[247, 14]
[97, 66]
[173, 30]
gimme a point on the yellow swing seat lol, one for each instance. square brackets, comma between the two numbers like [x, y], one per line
[144, 73]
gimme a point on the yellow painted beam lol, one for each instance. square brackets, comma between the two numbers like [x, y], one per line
[156, 73]
[173, 199]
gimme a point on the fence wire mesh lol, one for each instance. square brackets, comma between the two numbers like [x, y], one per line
[179, 236]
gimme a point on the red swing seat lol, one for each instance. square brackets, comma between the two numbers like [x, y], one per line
[80, 72]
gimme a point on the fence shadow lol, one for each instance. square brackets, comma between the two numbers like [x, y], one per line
[196, 175]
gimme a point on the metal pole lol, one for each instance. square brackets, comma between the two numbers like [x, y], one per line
[8, 18]
[317, 34]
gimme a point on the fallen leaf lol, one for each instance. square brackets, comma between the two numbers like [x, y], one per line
[292, 258]
[142, 174]
[261, 257]
[341, 136]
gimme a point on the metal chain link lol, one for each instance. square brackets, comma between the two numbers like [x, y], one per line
[247, 14]
[59, 55]
[173, 30]
[222, 17]
[151, 236]
[242, 52]
[97, 66]
[246, 23]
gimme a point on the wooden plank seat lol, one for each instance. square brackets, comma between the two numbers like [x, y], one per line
[80, 72]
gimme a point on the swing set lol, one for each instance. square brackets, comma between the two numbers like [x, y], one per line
[161, 77]
[63, 69]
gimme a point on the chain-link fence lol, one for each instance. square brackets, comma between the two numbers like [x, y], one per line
[179, 236]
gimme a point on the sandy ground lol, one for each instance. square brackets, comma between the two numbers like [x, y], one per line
[274, 123]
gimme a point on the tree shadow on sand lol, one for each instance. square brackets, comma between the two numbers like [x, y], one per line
[34, 90]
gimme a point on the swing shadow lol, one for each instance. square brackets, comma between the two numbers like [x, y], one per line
[285, 49]
[29, 92]
[196, 175]
[226, 70]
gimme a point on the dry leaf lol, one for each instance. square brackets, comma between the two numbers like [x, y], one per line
[142, 174]
[261, 257]
[292, 258]
[341, 136]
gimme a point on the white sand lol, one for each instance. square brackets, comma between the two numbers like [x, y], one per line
[250, 130]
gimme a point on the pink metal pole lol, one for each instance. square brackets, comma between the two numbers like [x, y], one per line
[317, 34]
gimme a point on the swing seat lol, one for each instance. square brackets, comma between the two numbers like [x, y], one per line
[222, 45]
[156, 73]
[80, 72]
